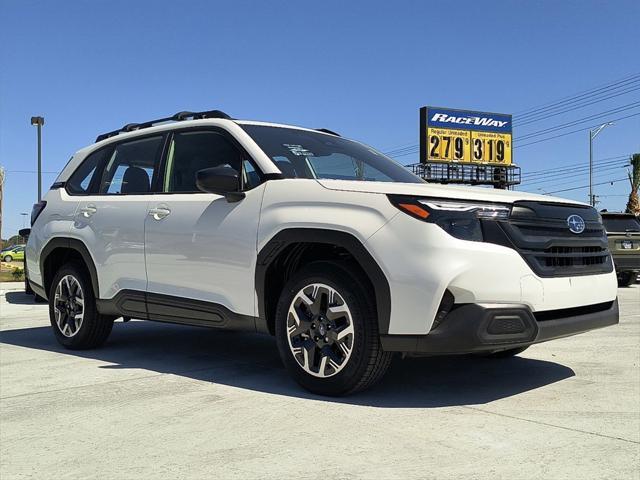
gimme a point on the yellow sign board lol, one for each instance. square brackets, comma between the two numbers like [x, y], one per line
[456, 136]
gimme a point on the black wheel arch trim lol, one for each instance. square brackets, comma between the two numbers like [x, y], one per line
[290, 236]
[71, 244]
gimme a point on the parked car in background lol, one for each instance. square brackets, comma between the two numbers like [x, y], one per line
[623, 232]
[15, 252]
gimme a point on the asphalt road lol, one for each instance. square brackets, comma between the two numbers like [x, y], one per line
[164, 401]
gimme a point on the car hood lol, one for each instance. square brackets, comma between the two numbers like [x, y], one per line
[441, 191]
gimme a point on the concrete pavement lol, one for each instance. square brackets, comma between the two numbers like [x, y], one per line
[165, 401]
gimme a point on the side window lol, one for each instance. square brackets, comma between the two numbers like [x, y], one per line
[80, 181]
[132, 166]
[193, 151]
[250, 177]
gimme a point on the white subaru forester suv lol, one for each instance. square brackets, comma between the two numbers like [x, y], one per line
[341, 253]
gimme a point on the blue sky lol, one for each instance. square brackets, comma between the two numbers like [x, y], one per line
[360, 68]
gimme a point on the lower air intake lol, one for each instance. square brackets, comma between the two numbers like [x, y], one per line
[506, 325]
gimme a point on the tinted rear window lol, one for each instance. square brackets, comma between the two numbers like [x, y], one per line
[621, 224]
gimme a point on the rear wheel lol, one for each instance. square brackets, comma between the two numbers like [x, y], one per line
[8, 258]
[327, 331]
[72, 310]
[512, 352]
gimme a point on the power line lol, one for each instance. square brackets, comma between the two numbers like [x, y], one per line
[614, 91]
[573, 123]
[574, 131]
[403, 152]
[29, 171]
[587, 186]
[582, 171]
[555, 182]
[582, 166]
[580, 163]
[628, 79]
[544, 116]
[570, 171]
[398, 147]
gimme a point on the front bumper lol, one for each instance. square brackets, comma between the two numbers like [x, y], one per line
[421, 262]
[470, 328]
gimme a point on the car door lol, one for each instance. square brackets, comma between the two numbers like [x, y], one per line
[200, 248]
[110, 218]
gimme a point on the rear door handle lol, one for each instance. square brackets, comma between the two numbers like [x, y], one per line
[159, 213]
[88, 210]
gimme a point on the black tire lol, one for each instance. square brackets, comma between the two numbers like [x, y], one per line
[38, 299]
[8, 258]
[512, 352]
[367, 363]
[27, 287]
[625, 279]
[95, 328]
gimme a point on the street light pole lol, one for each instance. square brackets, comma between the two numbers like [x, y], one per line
[593, 133]
[39, 122]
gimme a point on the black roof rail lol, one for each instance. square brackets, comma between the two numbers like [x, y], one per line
[178, 117]
[326, 130]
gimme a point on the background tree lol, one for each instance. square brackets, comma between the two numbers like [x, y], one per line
[633, 205]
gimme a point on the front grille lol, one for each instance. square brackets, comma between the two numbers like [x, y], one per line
[573, 256]
[539, 232]
[556, 231]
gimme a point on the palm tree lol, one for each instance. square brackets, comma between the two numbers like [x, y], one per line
[633, 205]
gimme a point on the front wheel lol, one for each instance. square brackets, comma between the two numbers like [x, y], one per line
[327, 331]
[27, 286]
[8, 258]
[72, 310]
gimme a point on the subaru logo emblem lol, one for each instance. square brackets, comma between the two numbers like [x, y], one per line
[575, 223]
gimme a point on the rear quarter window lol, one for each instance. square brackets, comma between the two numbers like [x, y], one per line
[81, 180]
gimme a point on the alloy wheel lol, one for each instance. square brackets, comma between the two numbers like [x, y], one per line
[320, 330]
[69, 305]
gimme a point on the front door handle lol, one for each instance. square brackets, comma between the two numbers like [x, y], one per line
[159, 213]
[87, 211]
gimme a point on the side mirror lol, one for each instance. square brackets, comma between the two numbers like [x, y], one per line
[24, 232]
[222, 180]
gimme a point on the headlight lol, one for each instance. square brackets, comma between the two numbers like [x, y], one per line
[458, 219]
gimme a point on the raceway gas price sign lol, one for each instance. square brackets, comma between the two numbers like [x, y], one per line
[464, 136]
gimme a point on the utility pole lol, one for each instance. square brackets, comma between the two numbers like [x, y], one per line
[39, 122]
[593, 133]
[1, 193]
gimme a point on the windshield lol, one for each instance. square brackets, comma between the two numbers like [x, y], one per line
[621, 224]
[305, 154]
